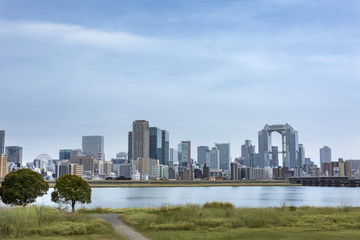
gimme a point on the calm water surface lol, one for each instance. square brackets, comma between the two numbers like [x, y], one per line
[240, 196]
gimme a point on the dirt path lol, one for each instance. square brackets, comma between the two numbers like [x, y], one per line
[121, 227]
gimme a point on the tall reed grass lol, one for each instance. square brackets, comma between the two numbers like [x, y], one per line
[218, 216]
[47, 221]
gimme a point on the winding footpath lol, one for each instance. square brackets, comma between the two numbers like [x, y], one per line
[120, 227]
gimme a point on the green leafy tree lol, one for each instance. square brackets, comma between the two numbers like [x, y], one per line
[22, 187]
[71, 189]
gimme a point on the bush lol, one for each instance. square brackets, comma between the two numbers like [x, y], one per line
[292, 208]
[219, 205]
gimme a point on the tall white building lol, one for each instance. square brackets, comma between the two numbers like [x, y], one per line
[174, 155]
[224, 155]
[93, 146]
[301, 158]
[212, 158]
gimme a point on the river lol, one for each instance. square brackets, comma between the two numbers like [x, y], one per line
[256, 196]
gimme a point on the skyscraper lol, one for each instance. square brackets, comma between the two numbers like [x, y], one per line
[159, 145]
[14, 154]
[2, 141]
[165, 147]
[174, 155]
[301, 158]
[213, 158]
[325, 155]
[201, 152]
[184, 149]
[246, 150]
[93, 146]
[130, 146]
[290, 148]
[155, 143]
[274, 156]
[140, 139]
[224, 155]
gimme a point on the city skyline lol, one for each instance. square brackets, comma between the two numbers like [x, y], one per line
[177, 146]
[206, 71]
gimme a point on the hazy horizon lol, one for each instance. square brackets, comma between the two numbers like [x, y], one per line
[206, 71]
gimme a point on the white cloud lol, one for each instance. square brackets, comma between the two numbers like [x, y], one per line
[74, 34]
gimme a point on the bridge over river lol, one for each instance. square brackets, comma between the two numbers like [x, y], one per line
[326, 181]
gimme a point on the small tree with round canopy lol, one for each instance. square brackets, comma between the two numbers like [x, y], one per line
[71, 189]
[22, 187]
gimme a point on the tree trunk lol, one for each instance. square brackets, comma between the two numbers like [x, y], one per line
[73, 205]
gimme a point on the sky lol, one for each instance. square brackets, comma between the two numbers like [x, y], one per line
[206, 71]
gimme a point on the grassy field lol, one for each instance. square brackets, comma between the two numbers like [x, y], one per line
[35, 222]
[223, 221]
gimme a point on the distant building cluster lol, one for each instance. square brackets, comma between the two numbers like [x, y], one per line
[149, 156]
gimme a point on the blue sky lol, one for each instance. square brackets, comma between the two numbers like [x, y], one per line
[206, 71]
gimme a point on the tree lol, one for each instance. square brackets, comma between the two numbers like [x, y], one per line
[71, 189]
[22, 187]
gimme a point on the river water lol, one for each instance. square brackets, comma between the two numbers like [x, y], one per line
[257, 196]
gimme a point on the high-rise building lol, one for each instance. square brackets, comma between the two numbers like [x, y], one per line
[325, 156]
[174, 155]
[184, 149]
[234, 171]
[290, 146]
[130, 146]
[201, 154]
[274, 162]
[93, 146]
[140, 139]
[3, 166]
[301, 157]
[14, 154]
[165, 148]
[159, 145]
[155, 143]
[212, 158]
[2, 142]
[246, 150]
[224, 155]
[65, 154]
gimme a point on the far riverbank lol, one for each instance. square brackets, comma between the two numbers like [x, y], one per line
[179, 183]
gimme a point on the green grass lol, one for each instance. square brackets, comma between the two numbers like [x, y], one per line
[48, 223]
[223, 221]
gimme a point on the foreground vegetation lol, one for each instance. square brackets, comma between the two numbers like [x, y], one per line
[48, 223]
[223, 221]
[210, 221]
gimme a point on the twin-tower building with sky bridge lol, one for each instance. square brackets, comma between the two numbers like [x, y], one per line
[291, 154]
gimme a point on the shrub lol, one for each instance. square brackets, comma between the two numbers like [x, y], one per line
[219, 205]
